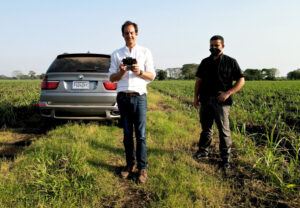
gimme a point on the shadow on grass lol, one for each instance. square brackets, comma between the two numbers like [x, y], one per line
[135, 196]
[27, 124]
[8, 151]
[120, 151]
[114, 169]
[102, 165]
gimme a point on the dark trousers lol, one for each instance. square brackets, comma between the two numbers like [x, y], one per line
[133, 116]
[211, 111]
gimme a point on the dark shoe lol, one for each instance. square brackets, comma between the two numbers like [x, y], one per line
[127, 170]
[143, 176]
[199, 155]
[225, 169]
[226, 166]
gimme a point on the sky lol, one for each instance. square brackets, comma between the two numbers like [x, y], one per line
[258, 33]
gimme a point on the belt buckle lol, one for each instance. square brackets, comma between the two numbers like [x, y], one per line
[132, 94]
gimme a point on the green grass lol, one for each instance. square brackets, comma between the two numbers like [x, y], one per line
[74, 164]
[17, 98]
[68, 167]
[260, 103]
[268, 113]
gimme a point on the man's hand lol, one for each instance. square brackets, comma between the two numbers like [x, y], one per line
[122, 69]
[135, 69]
[223, 96]
[117, 76]
[196, 92]
[236, 87]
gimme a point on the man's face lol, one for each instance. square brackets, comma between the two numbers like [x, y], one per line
[130, 35]
[217, 44]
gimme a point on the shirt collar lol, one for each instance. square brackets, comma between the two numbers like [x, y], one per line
[220, 57]
[134, 48]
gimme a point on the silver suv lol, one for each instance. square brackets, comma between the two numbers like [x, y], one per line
[77, 86]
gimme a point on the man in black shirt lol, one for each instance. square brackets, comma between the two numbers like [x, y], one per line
[213, 90]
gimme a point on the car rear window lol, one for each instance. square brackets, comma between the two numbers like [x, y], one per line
[80, 64]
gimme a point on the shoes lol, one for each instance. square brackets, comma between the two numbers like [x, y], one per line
[199, 155]
[143, 176]
[226, 166]
[127, 170]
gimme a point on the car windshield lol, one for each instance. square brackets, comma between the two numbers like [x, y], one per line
[80, 64]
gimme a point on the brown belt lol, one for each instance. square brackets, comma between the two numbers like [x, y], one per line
[128, 94]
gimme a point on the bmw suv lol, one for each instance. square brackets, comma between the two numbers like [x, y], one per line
[77, 86]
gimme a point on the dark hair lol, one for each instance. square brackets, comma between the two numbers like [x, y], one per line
[217, 37]
[127, 23]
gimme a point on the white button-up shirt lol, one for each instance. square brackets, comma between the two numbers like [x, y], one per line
[131, 82]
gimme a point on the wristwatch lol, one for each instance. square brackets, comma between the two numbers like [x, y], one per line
[141, 73]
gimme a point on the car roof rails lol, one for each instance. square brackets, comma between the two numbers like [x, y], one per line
[69, 55]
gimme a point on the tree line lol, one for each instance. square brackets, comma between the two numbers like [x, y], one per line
[20, 75]
[188, 71]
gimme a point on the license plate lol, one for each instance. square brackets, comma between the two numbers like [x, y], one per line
[81, 85]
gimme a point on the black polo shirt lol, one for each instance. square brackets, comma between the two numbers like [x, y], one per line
[217, 75]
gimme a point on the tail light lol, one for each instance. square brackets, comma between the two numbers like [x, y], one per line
[40, 104]
[110, 85]
[49, 85]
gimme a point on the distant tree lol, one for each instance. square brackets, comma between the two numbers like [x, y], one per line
[17, 74]
[252, 74]
[25, 76]
[269, 74]
[188, 71]
[42, 76]
[294, 74]
[161, 74]
[31, 74]
[4, 77]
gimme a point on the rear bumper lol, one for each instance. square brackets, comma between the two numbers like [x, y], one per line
[89, 112]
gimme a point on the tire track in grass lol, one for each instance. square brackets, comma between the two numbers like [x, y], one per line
[171, 133]
[13, 143]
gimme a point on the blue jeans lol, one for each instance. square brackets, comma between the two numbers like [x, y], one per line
[133, 115]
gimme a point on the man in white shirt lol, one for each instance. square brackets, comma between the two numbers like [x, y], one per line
[132, 67]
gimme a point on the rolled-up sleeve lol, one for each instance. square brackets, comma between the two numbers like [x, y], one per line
[149, 66]
[199, 72]
[237, 72]
[113, 64]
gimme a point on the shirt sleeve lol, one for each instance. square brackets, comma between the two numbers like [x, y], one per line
[149, 66]
[114, 66]
[200, 68]
[237, 72]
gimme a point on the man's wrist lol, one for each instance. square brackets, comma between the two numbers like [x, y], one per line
[141, 73]
[122, 73]
[229, 92]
